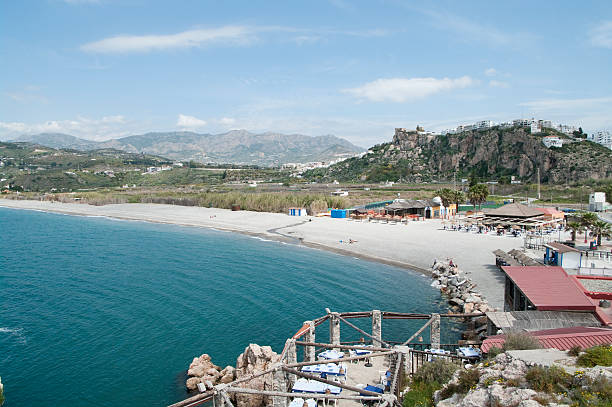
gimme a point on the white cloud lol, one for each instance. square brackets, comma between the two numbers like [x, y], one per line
[93, 129]
[190, 122]
[227, 121]
[407, 89]
[498, 84]
[185, 39]
[490, 72]
[565, 104]
[601, 36]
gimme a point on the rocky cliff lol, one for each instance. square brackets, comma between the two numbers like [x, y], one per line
[494, 153]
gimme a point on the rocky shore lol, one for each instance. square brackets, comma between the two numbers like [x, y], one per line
[254, 359]
[462, 295]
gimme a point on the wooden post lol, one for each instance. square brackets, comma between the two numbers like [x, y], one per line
[334, 329]
[309, 336]
[414, 335]
[435, 331]
[280, 385]
[218, 400]
[377, 325]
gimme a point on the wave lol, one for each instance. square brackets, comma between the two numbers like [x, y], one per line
[17, 332]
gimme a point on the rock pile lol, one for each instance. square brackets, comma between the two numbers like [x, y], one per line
[202, 370]
[462, 295]
[255, 359]
[502, 384]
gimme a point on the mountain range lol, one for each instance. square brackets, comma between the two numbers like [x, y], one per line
[235, 147]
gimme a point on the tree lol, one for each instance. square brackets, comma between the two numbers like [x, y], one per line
[601, 229]
[446, 195]
[587, 220]
[574, 227]
[478, 194]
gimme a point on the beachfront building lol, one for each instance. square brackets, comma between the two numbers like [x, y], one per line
[558, 254]
[297, 212]
[551, 288]
[424, 208]
[516, 214]
[552, 141]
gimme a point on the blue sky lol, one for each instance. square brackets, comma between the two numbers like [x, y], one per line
[357, 69]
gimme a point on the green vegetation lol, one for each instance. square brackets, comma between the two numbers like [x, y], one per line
[426, 380]
[596, 356]
[574, 351]
[478, 194]
[468, 379]
[575, 390]
[495, 154]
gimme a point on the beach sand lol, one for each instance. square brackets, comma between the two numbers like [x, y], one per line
[413, 246]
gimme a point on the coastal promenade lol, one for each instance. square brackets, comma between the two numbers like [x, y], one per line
[413, 246]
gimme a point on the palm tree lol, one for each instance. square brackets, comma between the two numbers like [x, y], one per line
[574, 227]
[478, 194]
[601, 229]
[446, 195]
[457, 197]
[587, 220]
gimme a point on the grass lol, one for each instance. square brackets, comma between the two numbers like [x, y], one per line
[596, 356]
[520, 341]
[574, 351]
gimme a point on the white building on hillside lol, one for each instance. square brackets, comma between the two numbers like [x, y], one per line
[597, 201]
[536, 127]
[552, 141]
[483, 125]
[602, 137]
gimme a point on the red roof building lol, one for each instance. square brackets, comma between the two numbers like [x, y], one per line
[543, 288]
[546, 288]
[561, 338]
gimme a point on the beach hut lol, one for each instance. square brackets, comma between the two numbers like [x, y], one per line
[558, 254]
[297, 212]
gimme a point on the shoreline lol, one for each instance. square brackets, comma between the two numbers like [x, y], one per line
[412, 247]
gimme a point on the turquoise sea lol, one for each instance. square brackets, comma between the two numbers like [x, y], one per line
[100, 312]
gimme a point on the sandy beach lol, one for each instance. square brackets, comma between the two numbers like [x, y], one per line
[413, 246]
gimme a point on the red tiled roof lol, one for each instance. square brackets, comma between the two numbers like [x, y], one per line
[549, 288]
[550, 211]
[561, 338]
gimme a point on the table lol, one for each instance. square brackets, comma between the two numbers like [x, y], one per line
[313, 386]
[299, 402]
[331, 354]
[329, 368]
[437, 353]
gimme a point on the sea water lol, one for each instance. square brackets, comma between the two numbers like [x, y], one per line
[100, 312]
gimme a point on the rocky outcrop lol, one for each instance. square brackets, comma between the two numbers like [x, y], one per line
[462, 295]
[202, 370]
[502, 384]
[255, 359]
[492, 153]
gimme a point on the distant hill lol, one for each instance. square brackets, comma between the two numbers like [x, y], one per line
[59, 140]
[236, 147]
[491, 154]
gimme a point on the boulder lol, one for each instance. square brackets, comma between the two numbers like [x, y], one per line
[253, 360]
[192, 383]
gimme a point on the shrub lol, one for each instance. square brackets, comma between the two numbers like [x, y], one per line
[420, 394]
[494, 351]
[439, 370]
[574, 351]
[548, 379]
[468, 379]
[520, 341]
[596, 356]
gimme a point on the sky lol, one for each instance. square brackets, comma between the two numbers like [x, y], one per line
[101, 69]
